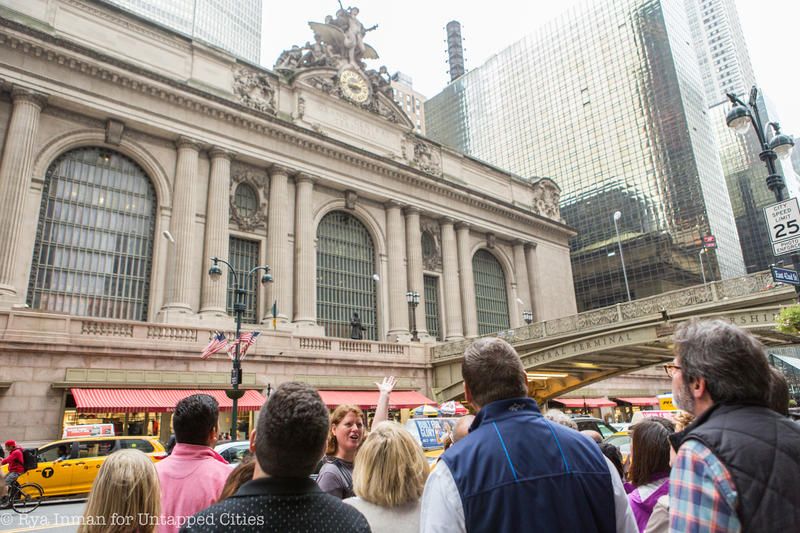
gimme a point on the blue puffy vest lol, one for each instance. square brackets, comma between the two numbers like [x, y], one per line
[517, 471]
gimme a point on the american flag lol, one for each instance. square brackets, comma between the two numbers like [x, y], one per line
[218, 343]
[245, 341]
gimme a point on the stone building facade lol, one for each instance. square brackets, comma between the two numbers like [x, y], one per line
[131, 155]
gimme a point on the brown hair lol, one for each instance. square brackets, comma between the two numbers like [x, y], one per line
[649, 450]
[493, 371]
[778, 396]
[337, 416]
[391, 468]
[238, 477]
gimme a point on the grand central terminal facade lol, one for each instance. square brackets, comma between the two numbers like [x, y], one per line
[133, 154]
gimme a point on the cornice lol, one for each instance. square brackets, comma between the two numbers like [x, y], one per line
[59, 50]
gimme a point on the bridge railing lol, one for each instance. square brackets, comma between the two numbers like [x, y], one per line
[756, 283]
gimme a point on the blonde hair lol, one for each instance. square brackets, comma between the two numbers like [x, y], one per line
[682, 419]
[126, 488]
[337, 416]
[391, 468]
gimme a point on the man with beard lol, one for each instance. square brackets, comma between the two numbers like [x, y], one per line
[738, 465]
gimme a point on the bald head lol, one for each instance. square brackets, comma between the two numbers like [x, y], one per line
[592, 434]
[462, 427]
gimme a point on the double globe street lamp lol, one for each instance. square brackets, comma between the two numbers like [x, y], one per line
[239, 307]
[774, 146]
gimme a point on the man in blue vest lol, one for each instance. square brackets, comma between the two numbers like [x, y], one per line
[515, 470]
[738, 466]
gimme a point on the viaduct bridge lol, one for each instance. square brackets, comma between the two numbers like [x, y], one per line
[567, 353]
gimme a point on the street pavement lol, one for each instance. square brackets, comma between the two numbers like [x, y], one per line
[50, 517]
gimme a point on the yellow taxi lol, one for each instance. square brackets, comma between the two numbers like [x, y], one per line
[69, 466]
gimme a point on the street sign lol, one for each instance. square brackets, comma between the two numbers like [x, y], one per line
[783, 222]
[785, 275]
[709, 242]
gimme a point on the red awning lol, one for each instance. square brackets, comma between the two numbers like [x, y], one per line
[155, 400]
[368, 399]
[639, 401]
[580, 403]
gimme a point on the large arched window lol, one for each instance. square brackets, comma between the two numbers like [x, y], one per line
[491, 298]
[94, 241]
[345, 266]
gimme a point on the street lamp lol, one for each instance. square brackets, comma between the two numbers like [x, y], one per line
[617, 216]
[702, 268]
[739, 118]
[527, 316]
[412, 297]
[215, 273]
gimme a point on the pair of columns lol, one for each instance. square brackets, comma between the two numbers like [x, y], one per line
[216, 238]
[461, 315]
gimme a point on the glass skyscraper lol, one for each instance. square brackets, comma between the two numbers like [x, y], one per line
[607, 100]
[233, 25]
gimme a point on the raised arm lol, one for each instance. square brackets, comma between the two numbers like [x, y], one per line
[382, 410]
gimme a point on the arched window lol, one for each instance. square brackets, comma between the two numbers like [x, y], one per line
[94, 242]
[345, 266]
[491, 298]
[245, 200]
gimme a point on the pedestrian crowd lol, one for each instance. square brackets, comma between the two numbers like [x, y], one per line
[730, 462]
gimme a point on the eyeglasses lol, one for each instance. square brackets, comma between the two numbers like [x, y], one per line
[670, 369]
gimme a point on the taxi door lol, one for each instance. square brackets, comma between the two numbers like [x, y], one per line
[55, 477]
[91, 455]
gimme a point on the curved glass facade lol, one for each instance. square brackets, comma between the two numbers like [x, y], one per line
[345, 266]
[608, 101]
[491, 298]
[94, 241]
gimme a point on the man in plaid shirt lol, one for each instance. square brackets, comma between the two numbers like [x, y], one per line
[738, 465]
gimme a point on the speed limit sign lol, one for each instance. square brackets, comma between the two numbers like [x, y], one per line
[783, 222]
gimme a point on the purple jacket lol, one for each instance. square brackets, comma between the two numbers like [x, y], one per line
[642, 509]
[191, 479]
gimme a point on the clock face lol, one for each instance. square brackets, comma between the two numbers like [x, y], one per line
[354, 86]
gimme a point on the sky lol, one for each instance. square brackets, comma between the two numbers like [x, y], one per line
[411, 37]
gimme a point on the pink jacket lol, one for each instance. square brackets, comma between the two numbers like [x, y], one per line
[191, 479]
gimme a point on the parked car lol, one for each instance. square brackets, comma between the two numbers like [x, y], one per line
[622, 440]
[596, 424]
[69, 466]
[233, 451]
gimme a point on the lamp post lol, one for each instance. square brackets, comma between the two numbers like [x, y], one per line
[616, 217]
[215, 273]
[412, 297]
[702, 268]
[739, 118]
[527, 316]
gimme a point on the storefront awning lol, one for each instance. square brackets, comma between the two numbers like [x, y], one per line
[639, 401]
[368, 399]
[154, 400]
[580, 403]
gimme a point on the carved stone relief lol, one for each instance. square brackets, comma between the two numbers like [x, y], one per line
[254, 90]
[259, 182]
[545, 199]
[423, 155]
[350, 199]
[431, 245]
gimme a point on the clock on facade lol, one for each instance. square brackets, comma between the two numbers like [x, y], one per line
[354, 86]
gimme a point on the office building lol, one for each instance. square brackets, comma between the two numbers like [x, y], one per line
[607, 100]
[233, 25]
[410, 100]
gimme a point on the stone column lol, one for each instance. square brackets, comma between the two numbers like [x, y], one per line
[278, 251]
[416, 281]
[398, 277]
[468, 305]
[214, 301]
[533, 283]
[452, 294]
[305, 285]
[15, 179]
[521, 275]
[181, 264]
